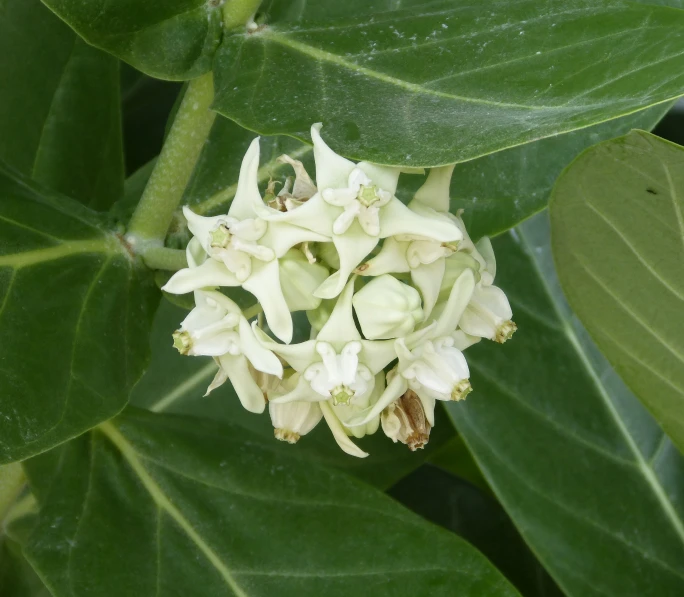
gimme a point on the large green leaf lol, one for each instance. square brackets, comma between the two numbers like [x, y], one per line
[168, 39]
[501, 190]
[17, 578]
[440, 83]
[456, 505]
[618, 240]
[175, 506]
[175, 384]
[59, 107]
[75, 311]
[586, 474]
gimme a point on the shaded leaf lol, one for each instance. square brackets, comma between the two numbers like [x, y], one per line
[618, 240]
[176, 384]
[75, 311]
[460, 507]
[588, 477]
[438, 83]
[215, 512]
[167, 39]
[17, 578]
[60, 120]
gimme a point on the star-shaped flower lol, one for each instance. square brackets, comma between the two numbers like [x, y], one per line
[355, 206]
[241, 249]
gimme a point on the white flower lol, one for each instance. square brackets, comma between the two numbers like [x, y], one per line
[356, 207]
[217, 328]
[422, 256]
[430, 362]
[299, 278]
[291, 420]
[387, 308]
[240, 249]
[337, 368]
[489, 313]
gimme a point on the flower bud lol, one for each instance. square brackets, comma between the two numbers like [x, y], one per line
[299, 279]
[406, 421]
[291, 420]
[387, 308]
[455, 265]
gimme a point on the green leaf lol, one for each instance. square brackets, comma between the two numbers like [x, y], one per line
[618, 240]
[17, 578]
[588, 477]
[75, 311]
[176, 384]
[438, 83]
[60, 121]
[454, 504]
[501, 190]
[167, 39]
[175, 506]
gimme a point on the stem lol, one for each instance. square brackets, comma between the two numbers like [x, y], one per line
[173, 169]
[12, 480]
[163, 258]
[237, 13]
[253, 311]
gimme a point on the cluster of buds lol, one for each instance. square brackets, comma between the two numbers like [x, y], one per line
[394, 294]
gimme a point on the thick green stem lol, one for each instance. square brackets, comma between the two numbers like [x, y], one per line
[236, 13]
[12, 480]
[173, 169]
[163, 258]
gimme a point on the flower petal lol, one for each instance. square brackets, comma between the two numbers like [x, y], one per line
[352, 247]
[339, 433]
[484, 248]
[302, 392]
[340, 327]
[435, 190]
[395, 388]
[210, 274]
[332, 170]
[247, 390]
[384, 177]
[377, 354]
[391, 259]
[261, 358]
[396, 218]
[201, 226]
[264, 284]
[428, 279]
[282, 236]
[459, 298]
[247, 195]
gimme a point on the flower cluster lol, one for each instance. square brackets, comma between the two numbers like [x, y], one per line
[394, 294]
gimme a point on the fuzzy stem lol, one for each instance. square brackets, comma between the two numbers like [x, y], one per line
[12, 480]
[173, 169]
[237, 13]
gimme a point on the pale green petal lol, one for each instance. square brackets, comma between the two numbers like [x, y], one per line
[384, 177]
[435, 190]
[352, 247]
[247, 390]
[201, 226]
[458, 301]
[302, 392]
[484, 248]
[298, 356]
[395, 388]
[339, 433]
[377, 354]
[195, 253]
[332, 170]
[340, 327]
[396, 218]
[261, 358]
[264, 284]
[210, 274]
[282, 236]
[417, 337]
[247, 195]
[428, 279]
[390, 259]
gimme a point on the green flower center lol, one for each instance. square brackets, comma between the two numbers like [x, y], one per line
[368, 195]
[220, 237]
[341, 394]
[461, 390]
[182, 341]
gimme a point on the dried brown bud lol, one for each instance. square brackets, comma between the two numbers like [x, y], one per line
[405, 421]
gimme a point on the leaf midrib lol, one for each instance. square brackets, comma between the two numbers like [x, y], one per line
[640, 460]
[163, 502]
[73, 247]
